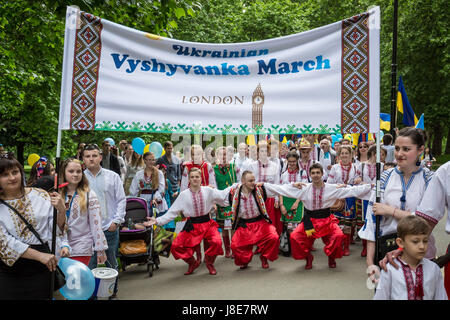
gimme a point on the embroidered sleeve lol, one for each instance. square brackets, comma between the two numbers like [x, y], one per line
[10, 248]
[134, 187]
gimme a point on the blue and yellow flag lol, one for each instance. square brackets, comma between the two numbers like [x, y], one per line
[403, 105]
[421, 123]
[385, 121]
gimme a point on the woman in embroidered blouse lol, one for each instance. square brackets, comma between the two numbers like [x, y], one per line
[82, 218]
[150, 180]
[402, 189]
[24, 264]
[344, 172]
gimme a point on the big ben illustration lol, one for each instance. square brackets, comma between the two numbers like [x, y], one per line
[257, 109]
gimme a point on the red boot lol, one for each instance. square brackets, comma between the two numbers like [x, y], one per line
[309, 260]
[193, 264]
[226, 243]
[346, 244]
[364, 250]
[264, 263]
[209, 260]
[331, 262]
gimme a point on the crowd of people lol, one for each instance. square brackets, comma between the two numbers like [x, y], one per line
[265, 199]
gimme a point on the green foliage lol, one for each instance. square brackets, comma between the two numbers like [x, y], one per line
[32, 36]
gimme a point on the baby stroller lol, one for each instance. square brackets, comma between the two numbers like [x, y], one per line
[131, 240]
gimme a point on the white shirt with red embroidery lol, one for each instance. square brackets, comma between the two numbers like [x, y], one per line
[392, 284]
[268, 172]
[195, 204]
[289, 177]
[345, 174]
[248, 208]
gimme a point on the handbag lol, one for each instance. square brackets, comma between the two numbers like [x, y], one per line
[60, 278]
[386, 244]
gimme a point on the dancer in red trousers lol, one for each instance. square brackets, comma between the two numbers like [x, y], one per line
[252, 224]
[195, 203]
[318, 221]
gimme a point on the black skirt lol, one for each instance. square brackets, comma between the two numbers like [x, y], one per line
[25, 280]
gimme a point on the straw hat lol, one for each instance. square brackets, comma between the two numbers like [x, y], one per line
[304, 144]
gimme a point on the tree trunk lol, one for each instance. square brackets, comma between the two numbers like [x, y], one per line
[447, 146]
[20, 150]
[436, 149]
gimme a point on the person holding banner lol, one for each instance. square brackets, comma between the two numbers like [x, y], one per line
[226, 176]
[268, 171]
[318, 221]
[402, 188]
[25, 263]
[344, 172]
[196, 203]
[83, 220]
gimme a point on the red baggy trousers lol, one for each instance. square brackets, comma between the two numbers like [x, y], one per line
[260, 233]
[327, 229]
[183, 247]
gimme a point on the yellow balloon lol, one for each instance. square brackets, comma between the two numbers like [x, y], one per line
[33, 158]
[146, 148]
[163, 153]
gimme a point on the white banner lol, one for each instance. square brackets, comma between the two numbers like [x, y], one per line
[324, 80]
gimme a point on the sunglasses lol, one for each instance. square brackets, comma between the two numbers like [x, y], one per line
[91, 146]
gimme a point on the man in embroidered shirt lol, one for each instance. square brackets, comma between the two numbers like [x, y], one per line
[111, 195]
[252, 224]
[418, 278]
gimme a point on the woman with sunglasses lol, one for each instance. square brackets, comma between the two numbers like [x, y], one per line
[25, 263]
[150, 184]
[361, 152]
[402, 189]
[82, 221]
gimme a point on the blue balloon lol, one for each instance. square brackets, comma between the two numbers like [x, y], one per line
[80, 282]
[156, 148]
[111, 141]
[138, 145]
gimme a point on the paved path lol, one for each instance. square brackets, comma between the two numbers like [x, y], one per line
[286, 279]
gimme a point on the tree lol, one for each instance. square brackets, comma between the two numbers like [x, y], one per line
[31, 47]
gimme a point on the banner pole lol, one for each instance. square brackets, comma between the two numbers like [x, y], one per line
[394, 72]
[378, 199]
[55, 213]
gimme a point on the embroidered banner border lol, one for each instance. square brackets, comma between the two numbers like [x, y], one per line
[85, 72]
[355, 74]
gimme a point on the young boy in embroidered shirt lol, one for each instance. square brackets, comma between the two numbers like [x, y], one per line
[418, 278]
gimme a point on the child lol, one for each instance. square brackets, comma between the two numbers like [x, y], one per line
[418, 278]
[389, 165]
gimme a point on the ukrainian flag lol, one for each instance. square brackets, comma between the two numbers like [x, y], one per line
[385, 121]
[403, 106]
